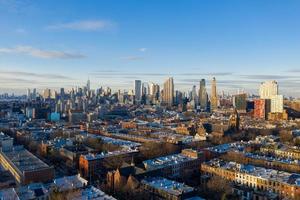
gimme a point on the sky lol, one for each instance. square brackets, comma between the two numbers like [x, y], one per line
[62, 43]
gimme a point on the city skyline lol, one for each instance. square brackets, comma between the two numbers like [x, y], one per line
[235, 42]
[149, 99]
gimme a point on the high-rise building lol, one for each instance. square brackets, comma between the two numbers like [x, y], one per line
[239, 102]
[62, 93]
[277, 104]
[88, 85]
[261, 108]
[46, 93]
[268, 89]
[34, 93]
[154, 91]
[28, 94]
[203, 95]
[138, 90]
[213, 96]
[168, 92]
[194, 96]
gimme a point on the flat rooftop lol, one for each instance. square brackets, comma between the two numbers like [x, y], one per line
[169, 186]
[23, 160]
[223, 148]
[109, 154]
[118, 142]
[165, 161]
[93, 193]
[4, 137]
[9, 193]
[272, 158]
[261, 172]
[70, 182]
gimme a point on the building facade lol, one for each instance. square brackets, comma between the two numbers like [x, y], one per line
[213, 96]
[168, 92]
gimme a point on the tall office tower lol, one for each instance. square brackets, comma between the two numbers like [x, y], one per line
[194, 95]
[213, 96]
[168, 92]
[240, 102]
[46, 93]
[34, 93]
[277, 104]
[108, 91]
[28, 94]
[203, 95]
[144, 89]
[145, 92]
[151, 89]
[154, 91]
[138, 90]
[62, 93]
[88, 85]
[53, 95]
[268, 89]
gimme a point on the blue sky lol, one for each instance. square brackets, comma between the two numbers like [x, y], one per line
[60, 43]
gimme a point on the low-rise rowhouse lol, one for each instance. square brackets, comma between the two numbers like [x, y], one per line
[283, 183]
[24, 166]
[265, 160]
[162, 188]
[90, 164]
[282, 151]
[176, 165]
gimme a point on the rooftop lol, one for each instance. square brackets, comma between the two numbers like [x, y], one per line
[169, 186]
[223, 148]
[93, 193]
[109, 154]
[272, 158]
[8, 194]
[164, 161]
[23, 160]
[70, 182]
[118, 142]
[4, 137]
[264, 173]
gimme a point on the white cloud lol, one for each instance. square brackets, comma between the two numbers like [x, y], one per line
[84, 25]
[34, 75]
[39, 53]
[143, 49]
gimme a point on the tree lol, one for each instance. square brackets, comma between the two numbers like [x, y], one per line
[285, 136]
[113, 162]
[218, 187]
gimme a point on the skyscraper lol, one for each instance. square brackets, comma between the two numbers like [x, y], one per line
[28, 94]
[213, 97]
[154, 91]
[240, 102]
[138, 90]
[203, 95]
[168, 92]
[88, 85]
[62, 93]
[268, 89]
[34, 93]
[46, 93]
[194, 97]
[277, 104]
